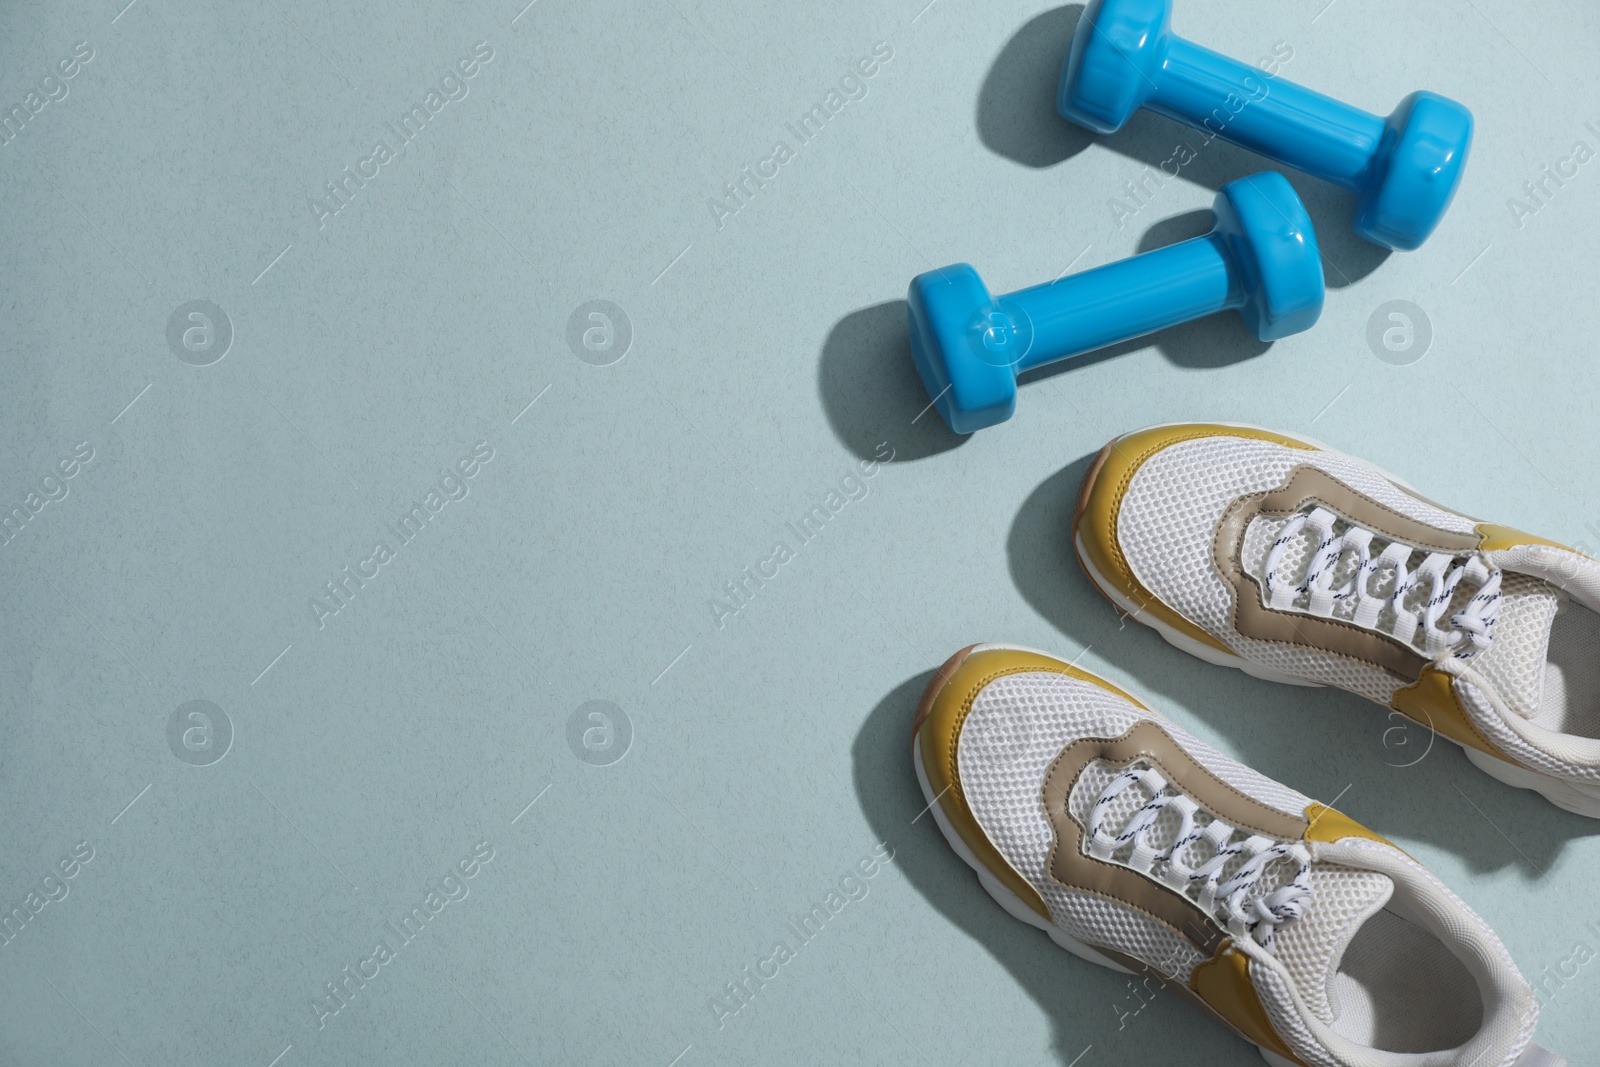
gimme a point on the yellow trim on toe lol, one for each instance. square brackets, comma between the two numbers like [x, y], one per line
[1094, 523]
[940, 716]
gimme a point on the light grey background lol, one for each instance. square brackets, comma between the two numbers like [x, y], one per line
[767, 755]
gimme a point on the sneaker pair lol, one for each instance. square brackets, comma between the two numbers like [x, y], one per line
[1139, 847]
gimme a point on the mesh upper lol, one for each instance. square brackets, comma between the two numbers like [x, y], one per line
[1167, 522]
[1276, 991]
[1092, 783]
[1514, 663]
[1021, 722]
[1557, 758]
[1018, 725]
[1298, 550]
[1343, 898]
[1169, 515]
[1502, 1038]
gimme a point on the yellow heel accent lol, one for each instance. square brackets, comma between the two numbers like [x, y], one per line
[1431, 700]
[940, 716]
[1223, 983]
[1094, 524]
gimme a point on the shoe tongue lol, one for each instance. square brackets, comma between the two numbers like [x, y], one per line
[1312, 947]
[1514, 663]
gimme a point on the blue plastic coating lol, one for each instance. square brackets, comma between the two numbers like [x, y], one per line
[1403, 169]
[1260, 258]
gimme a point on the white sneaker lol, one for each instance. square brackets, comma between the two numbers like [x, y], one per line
[1297, 563]
[1142, 849]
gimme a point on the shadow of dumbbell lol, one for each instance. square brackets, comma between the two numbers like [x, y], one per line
[1016, 112]
[869, 388]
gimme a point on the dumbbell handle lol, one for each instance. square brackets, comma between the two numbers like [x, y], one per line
[1127, 299]
[1280, 120]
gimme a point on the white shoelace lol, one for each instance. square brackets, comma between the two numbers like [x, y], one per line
[1472, 625]
[1228, 899]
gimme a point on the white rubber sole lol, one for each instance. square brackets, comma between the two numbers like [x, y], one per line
[1563, 794]
[1008, 900]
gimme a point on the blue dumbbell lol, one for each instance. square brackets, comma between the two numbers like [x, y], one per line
[1403, 169]
[1260, 257]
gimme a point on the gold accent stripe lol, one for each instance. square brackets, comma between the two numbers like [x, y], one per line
[1223, 983]
[1327, 826]
[1431, 701]
[1492, 537]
